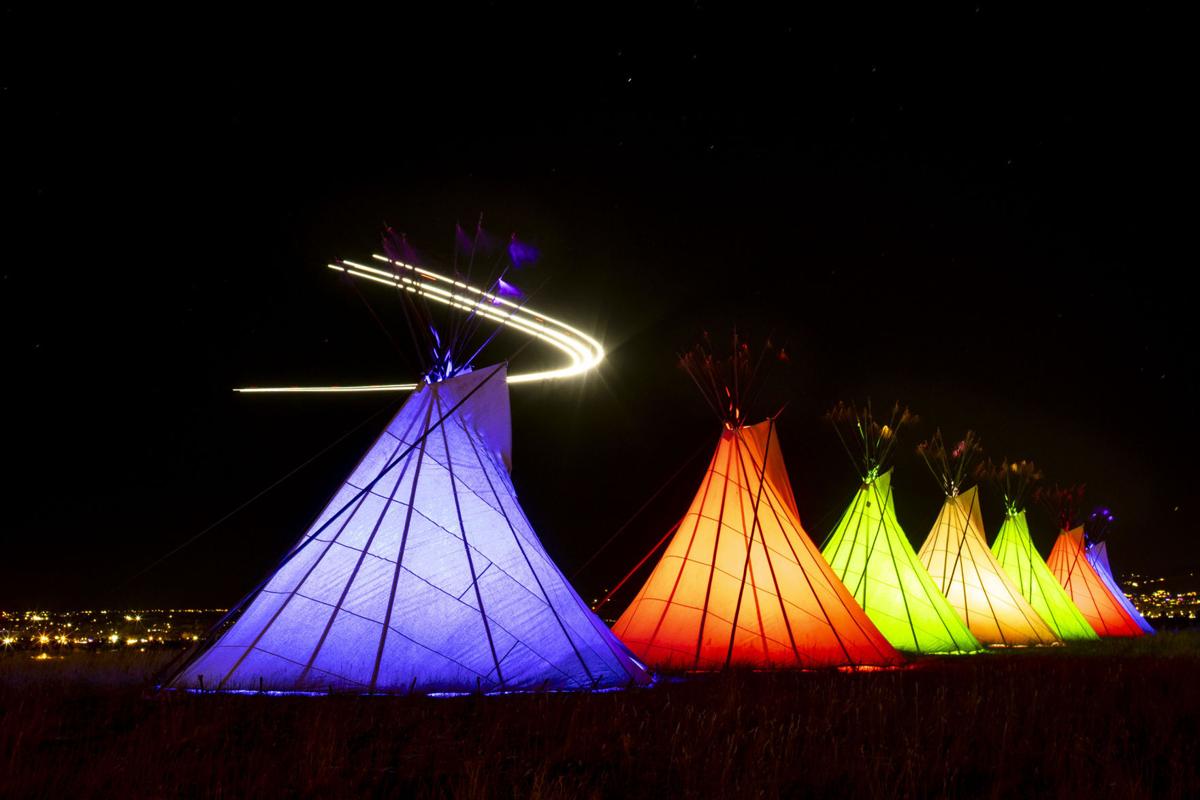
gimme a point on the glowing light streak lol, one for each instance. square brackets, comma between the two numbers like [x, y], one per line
[583, 352]
[380, 387]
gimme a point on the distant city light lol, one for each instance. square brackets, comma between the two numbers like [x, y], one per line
[1173, 601]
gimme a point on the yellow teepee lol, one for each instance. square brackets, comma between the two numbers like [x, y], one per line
[957, 555]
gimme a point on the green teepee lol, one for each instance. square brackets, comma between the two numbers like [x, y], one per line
[870, 552]
[1014, 550]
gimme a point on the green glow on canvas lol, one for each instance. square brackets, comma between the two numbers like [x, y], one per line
[1014, 550]
[870, 552]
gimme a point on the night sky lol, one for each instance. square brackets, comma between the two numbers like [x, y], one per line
[979, 214]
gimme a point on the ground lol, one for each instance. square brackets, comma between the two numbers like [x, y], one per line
[1109, 719]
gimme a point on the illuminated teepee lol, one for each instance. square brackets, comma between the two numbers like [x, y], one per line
[1069, 563]
[961, 564]
[422, 574]
[1014, 550]
[1096, 530]
[870, 552]
[740, 583]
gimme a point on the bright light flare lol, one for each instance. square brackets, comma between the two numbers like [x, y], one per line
[582, 351]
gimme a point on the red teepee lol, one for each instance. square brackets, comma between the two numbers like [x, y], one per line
[1068, 561]
[741, 582]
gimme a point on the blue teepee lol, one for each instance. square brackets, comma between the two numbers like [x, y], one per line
[422, 574]
[1097, 556]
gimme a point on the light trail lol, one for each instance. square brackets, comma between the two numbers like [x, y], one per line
[584, 352]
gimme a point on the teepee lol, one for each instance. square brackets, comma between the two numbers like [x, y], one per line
[1014, 550]
[870, 552]
[961, 564]
[421, 575]
[1096, 530]
[740, 583]
[1068, 561]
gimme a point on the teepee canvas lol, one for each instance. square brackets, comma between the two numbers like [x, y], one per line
[961, 563]
[1095, 533]
[1097, 556]
[740, 582]
[422, 574]
[1014, 550]
[968, 574]
[1068, 561]
[870, 552]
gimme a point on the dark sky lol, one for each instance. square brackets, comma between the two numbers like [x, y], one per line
[978, 213]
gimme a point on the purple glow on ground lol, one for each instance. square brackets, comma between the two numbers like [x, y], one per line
[435, 694]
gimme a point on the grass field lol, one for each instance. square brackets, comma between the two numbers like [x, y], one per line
[1111, 719]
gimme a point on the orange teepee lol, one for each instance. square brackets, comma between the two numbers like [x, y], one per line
[1068, 561]
[741, 583]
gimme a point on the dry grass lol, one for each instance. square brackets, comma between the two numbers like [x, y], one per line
[1114, 719]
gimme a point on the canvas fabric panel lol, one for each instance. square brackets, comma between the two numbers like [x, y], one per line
[1097, 556]
[1087, 591]
[1015, 552]
[963, 567]
[871, 554]
[422, 574]
[741, 583]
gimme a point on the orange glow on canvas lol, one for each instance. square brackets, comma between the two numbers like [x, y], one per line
[741, 583]
[1069, 564]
